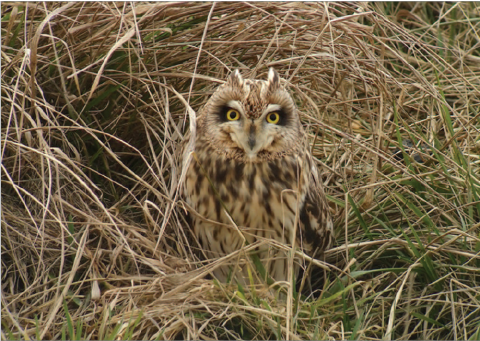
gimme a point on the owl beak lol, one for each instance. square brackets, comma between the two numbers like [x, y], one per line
[252, 137]
[251, 142]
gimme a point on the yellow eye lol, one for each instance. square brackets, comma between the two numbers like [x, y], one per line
[233, 115]
[273, 118]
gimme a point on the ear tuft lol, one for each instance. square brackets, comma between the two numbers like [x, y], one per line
[273, 79]
[235, 78]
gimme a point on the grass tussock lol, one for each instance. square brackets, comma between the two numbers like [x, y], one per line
[94, 103]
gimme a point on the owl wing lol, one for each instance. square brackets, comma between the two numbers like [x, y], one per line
[315, 219]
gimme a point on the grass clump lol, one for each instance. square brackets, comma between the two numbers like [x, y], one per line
[95, 244]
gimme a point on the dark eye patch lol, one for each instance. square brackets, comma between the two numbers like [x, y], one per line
[222, 113]
[284, 116]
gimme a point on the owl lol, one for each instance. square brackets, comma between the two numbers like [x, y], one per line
[252, 185]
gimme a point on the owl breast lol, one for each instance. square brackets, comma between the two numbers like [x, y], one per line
[241, 203]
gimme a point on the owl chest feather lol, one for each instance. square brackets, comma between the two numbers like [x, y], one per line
[251, 201]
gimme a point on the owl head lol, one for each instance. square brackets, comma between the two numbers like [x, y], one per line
[251, 120]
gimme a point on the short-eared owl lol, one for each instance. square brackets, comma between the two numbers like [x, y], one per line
[252, 180]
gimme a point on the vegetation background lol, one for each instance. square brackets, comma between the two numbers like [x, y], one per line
[95, 100]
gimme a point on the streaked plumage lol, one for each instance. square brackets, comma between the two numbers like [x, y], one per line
[251, 160]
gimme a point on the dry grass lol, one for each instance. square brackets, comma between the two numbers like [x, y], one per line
[94, 241]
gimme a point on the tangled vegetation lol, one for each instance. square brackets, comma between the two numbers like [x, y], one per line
[95, 99]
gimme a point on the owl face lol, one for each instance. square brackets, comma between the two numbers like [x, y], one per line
[252, 120]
